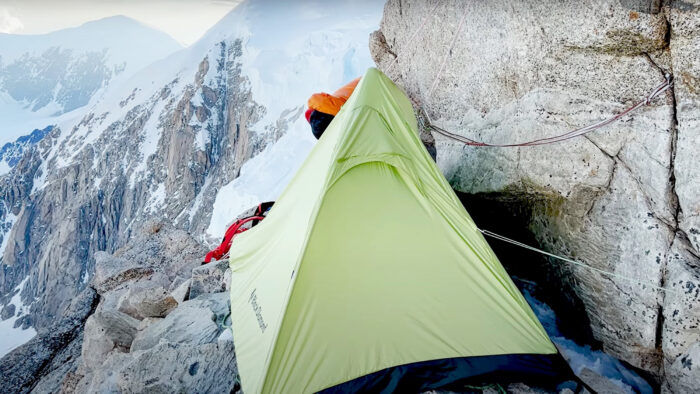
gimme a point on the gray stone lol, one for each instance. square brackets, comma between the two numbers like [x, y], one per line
[684, 373]
[193, 322]
[681, 309]
[209, 278]
[181, 293]
[7, 311]
[226, 335]
[519, 388]
[227, 279]
[22, 369]
[170, 368]
[147, 322]
[63, 363]
[146, 299]
[623, 198]
[111, 272]
[106, 331]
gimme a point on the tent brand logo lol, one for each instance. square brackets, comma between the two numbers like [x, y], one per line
[258, 310]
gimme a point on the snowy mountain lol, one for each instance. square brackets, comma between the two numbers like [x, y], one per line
[190, 140]
[11, 153]
[44, 76]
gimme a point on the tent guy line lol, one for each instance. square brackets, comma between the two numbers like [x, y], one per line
[578, 263]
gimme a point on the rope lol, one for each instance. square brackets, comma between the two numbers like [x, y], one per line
[577, 263]
[413, 36]
[222, 323]
[667, 84]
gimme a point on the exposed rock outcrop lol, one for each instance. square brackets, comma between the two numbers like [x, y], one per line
[108, 347]
[624, 199]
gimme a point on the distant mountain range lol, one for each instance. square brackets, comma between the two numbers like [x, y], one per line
[45, 76]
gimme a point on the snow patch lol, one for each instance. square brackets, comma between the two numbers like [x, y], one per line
[156, 199]
[11, 337]
[580, 357]
[262, 178]
[4, 167]
[152, 131]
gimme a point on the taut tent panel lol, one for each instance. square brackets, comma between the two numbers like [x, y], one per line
[368, 261]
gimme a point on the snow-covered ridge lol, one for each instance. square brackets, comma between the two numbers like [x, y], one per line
[11, 153]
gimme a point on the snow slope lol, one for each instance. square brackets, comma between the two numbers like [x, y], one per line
[12, 336]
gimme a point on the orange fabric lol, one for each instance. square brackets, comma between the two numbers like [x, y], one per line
[331, 103]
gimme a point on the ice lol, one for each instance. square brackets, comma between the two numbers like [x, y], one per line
[263, 178]
[580, 357]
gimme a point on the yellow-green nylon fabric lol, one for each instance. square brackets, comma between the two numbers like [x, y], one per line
[368, 260]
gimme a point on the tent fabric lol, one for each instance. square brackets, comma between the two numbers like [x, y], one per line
[367, 261]
[542, 370]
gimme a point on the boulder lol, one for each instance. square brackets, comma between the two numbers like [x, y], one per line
[598, 383]
[209, 278]
[227, 279]
[193, 322]
[111, 272]
[146, 299]
[106, 331]
[180, 290]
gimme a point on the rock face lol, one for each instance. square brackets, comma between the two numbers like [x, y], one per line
[51, 354]
[157, 151]
[623, 199]
[209, 278]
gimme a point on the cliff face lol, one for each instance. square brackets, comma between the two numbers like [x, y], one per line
[86, 188]
[623, 199]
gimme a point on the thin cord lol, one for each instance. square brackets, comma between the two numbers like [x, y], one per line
[568, 260]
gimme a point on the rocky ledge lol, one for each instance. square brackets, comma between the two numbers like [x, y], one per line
[152, 320]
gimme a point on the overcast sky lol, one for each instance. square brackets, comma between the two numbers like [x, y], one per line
[184, 20]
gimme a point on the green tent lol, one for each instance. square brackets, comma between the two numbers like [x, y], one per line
[369, 261]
